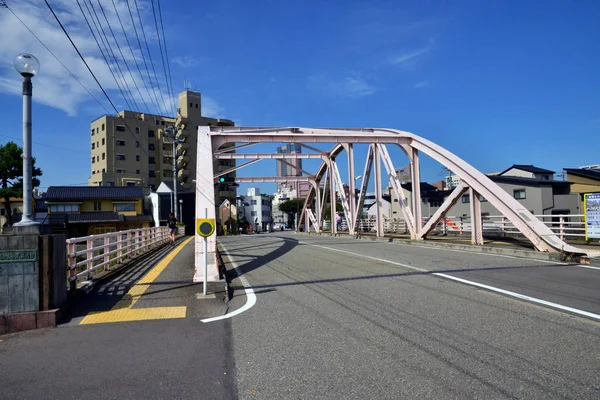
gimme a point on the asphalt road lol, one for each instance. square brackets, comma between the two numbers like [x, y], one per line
[156, 359]
[331, 321]
[333, 318]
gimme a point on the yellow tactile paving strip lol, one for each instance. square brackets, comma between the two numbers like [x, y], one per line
[123, 311]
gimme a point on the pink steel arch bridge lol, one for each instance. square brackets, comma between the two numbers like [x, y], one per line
[212, 138]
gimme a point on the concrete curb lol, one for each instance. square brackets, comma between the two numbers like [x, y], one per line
[529, 254]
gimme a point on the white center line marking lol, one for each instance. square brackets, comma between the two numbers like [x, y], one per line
[250, 296]
[490, 288]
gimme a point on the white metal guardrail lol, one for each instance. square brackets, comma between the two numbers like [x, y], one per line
[96, 253]
[564, 225]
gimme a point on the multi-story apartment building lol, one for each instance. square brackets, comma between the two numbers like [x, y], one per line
[258, 210]
[132, 148]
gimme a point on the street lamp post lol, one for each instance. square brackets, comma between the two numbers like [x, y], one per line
[27, 65]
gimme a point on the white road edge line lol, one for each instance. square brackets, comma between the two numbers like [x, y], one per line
[522, 297]
[250, 296]
[490, 288]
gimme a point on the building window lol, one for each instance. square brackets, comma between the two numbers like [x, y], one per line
[120, 171]
[120, 142]
[253, 202]
[93, 146]
[162, 123]
[97, 158]
[150, 133]
[485, 215]
[125, 206]
[196, 105]
[93, 172]
[137, 158]
[150, 146]
[466, 198]
[137, 171]
[519, 194]
[110, 184]
[103, 169]
[151, 160]
[93, 159]
[92, 132]
[130, 183]
[253, 213]
[151, 173]
[102, 127]
[120, 157]
[157, 122]
[137, 129]
[103, 140]
[56, 208]
[191, 105]
[120, 128]
[137, 144]
[97, 206]
[482, 199]
[103, 156]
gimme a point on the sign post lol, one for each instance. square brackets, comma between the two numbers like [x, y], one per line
[205, 227]
[591, 206]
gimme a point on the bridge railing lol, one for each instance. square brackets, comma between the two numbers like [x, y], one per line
[564, 225]
[93, 254]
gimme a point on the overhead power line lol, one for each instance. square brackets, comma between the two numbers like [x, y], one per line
[114, 55]
[54, 55]
[92, 73]
[150, 57]
[148, 84]
[108, 64]
[166, 53]
[162, 55]
[121, 52]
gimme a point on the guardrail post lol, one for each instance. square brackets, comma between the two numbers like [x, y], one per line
[106, 250]
[120, 246]
[72, 260]
[128, 243]
[562, 227]
[90, 255]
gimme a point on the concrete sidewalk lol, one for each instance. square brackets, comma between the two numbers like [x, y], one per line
[158, 287]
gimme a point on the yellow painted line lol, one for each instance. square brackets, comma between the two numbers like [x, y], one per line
[123, 311]
[139, 314]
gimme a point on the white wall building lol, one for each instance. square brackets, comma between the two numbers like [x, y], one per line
[283, 195]
[258, 210]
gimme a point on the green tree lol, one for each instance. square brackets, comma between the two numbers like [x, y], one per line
[338, 208]
[291, 207]
[11, 176]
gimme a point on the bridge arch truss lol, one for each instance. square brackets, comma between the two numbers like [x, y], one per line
[327, 180]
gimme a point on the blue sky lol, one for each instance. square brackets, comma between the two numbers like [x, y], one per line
[495, 82]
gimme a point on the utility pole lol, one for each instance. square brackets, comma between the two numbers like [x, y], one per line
[172, 132]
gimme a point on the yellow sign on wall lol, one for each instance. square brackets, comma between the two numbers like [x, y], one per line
[205, 226]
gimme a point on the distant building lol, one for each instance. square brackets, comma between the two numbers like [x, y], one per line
[92, 210]
[258, 209]
[295, 169]
[132, 149]
[280, 217]
[583, 180]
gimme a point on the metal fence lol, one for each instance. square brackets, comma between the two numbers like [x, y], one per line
[93, 254]
[564, 225]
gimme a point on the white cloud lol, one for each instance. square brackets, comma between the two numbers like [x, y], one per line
[54, 86]
[352, 87]
[185, 61]
[406, 57]
[210, 108]
[421, 84]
